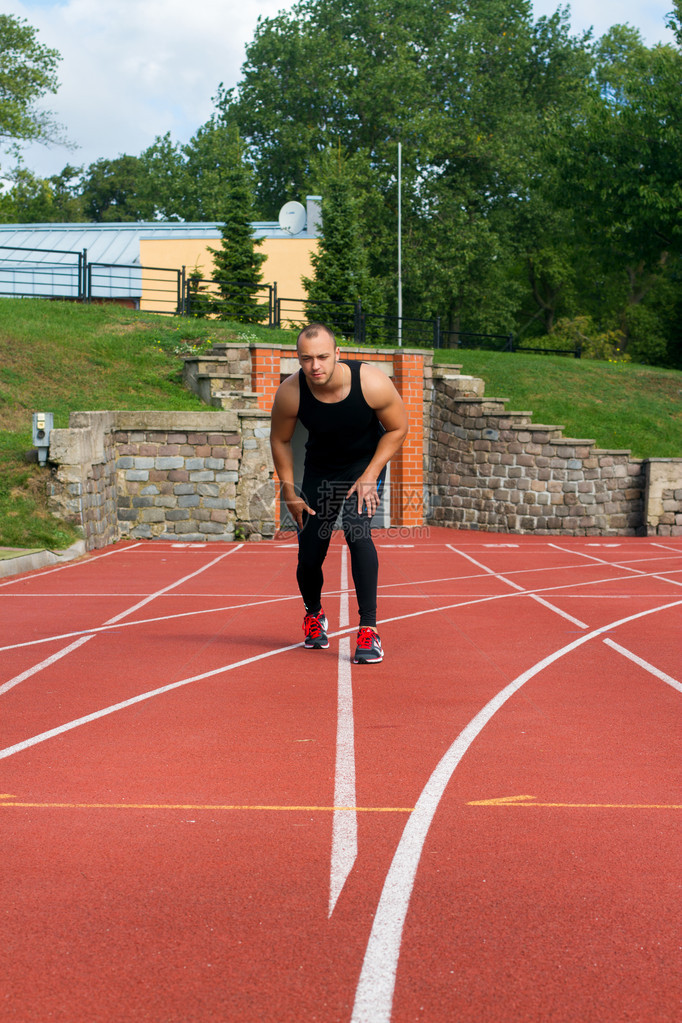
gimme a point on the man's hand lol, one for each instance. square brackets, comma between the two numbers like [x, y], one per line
[366, 489]
[295, 504]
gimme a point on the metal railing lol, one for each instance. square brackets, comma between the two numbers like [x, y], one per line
[29, 272]
[26, 276]
[204, 296]
[157, 289]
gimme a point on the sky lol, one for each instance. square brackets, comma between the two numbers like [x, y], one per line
[135, 69]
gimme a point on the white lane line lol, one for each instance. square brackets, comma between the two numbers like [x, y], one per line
[124, 704]
[172, 586]
[503, 579]
[6, 686]
[149, 621]
[232, 607]
[645, 664]
[559, 611]
[622, 565]
[374, 993]
[10, 750]
[71, 564]
[488, 571]
[345, 822]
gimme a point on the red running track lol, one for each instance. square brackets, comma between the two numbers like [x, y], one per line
[203, 821]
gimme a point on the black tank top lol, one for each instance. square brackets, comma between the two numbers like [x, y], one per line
[340, 433]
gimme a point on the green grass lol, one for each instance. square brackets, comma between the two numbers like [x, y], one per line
[62, 357]
[619, 405]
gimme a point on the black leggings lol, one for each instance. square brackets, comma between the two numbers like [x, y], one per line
[328, 497]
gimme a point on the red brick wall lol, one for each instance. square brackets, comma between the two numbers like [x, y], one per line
[407, 469]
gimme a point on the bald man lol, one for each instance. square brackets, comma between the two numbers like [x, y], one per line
[356, 423]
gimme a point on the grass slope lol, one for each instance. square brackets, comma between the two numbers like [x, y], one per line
[618, 405]
[61, 357]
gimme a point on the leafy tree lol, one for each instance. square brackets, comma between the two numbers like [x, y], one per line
[117, 190]
[28, 70]
[464, 85]
[163, 168]
[237, 264]
[31, 199]
[619, 167]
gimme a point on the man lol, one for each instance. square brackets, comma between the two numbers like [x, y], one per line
[356, 422]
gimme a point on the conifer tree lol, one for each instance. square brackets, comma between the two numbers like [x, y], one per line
[342, 276]
[237, 265]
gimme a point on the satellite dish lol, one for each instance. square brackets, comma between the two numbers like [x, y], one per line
[292, 217]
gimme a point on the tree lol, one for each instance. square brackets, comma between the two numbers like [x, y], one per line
[341, 266]
[619, 167]
[163, 167]
[31, 199]
[464, 84]
[237, 265]
[28, 70]
[117, 190]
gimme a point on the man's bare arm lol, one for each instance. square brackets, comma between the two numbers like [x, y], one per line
[282, 426]
[381, 395]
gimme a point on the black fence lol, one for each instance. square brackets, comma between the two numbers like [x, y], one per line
[31, 273]
[203, 296]
[70, 275]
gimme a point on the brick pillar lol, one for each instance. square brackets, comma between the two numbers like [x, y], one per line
[266, 363]
[265, 373]
[407, 468]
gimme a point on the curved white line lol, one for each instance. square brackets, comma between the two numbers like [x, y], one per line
[374, 993]
[331, 593]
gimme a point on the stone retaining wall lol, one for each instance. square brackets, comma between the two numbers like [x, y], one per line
[209, 475]
[664, 497]
[497, 471]
[169, 475]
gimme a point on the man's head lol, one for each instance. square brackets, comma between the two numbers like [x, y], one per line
[318, 353]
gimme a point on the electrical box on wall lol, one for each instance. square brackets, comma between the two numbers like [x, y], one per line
[43, 423]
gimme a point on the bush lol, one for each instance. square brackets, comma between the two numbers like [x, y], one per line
[646, 342]
[607, 345]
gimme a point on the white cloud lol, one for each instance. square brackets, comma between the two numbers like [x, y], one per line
[135, 69]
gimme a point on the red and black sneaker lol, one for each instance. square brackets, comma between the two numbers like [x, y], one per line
[315, 629]
[368, 649]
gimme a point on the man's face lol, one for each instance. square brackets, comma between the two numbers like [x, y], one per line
[318, 357]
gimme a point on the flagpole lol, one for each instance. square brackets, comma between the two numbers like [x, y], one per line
[400, 253]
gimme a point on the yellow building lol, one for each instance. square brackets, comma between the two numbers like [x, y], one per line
[143, 264]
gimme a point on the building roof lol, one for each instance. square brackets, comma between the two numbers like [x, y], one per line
[44, 259]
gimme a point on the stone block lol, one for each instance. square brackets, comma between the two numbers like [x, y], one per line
[177, 514]
[151, 515]
[208, 489]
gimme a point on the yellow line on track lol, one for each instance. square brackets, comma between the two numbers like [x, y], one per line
[194, 806]
[530, 801]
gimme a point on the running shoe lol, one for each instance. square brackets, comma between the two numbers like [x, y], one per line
[315, 629]
[368, 650]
